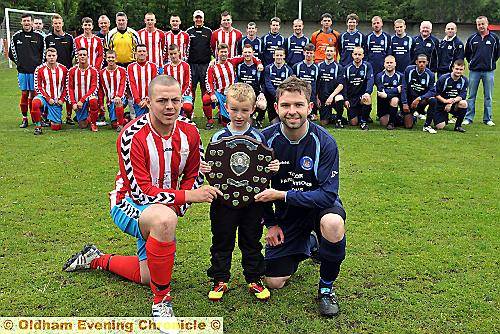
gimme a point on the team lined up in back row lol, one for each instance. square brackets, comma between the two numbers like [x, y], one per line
[114, 68]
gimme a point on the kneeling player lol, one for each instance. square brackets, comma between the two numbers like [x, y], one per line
[417, 93]
[50, 85]
[83, 81]
[451, 91]
[359, 87]
[225, 221]
[151, 193]
[330, 85]
[388, 93]
[181, 71]
[113, 80]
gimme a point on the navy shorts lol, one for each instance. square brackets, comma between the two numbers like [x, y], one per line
[440, 115]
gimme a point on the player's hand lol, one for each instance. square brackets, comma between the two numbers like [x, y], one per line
[260, 67]
[75, 107]
[415, 103]
[117, 101]
[447, 107]
[347, 104]
[270, 195]
[399, 89]
[52, 101]
[203, 194]
[275, 236]
[329, 100]
[213, 98]
[406, 108]
[79, 105]
[382, 95]
[143, 103]
[60, 102]
[274, 166]
[205, 167]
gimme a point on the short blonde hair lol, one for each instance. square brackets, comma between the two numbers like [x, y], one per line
[241, 92]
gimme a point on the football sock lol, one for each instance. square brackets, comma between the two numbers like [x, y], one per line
[393, 111]
[101, 262]
[120, 115]
[339, 108]
[124, 266]
[69, 110]
[23, 104]
[207, 107]
[366, 110]
[325, 286]
[35, 112]
[160, 263]
[331, 256]
[460, 116]
[30, 104]
[93, 111]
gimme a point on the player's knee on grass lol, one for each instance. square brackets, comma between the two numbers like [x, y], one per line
[159, 221]
[353, 121]
[206, 100]
[394, 102]
[384, 120]
[440, 126]
[83, 124]
[276, 282]
[462, 104]
[332, 227]
[408, 121]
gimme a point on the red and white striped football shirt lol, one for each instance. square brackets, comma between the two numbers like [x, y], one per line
[182, 73]
[221, 76]
[82, 83]
[181, 39]
[139, 77]
[51, 83]
[157, 169]
[112, 84]
[94, 48]
[231, 38]
[155, 43]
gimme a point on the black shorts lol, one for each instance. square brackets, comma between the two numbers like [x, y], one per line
[288, 264]
[440, 115]
[355, 107]
[383, 106]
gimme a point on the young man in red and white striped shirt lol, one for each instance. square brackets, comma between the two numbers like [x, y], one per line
[91, 42]
[220, 76]
[50, 85]
[226, 34]
[159, 156]
[83, 83]
[140, 75]
[177, 37]
[181, 71]
[113, 81]
[154, 39]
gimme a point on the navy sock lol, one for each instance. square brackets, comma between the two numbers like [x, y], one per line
[339, 108]
[331, 256]
[460, 117]
[367, 109]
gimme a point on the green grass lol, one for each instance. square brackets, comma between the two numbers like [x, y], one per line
[423, 239]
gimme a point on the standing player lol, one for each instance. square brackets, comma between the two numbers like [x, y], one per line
[426, 44]
[199, 54]
[305, 194]
[180, 70]
[159, 158]
[226, 34]
[450, 49]
[350, 39]
[104, 24]
[378, 45]
[65, 46]
[251, 39]
[324, 37]
[359, 87]
[274, 75]
[38, 26]
[451, 94]
[248, 73]
[26, 50]
[50, 85]
[271, 41]
[113, 80]
[307, 70]
[331, 83]
[140, 75]
[388, 84]
[294, 47]
[91, 42]
[482, 51]
[123, 40]
[154, 39]
[177, 37]
[401, 45]
[417, 93]
[83, 83]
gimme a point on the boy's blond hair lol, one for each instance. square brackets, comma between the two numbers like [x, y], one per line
[241, 92]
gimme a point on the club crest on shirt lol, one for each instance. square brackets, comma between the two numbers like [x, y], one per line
[405, 43]
[303, 43]
[361, 72]
[283, 74]
[254, 72]
[422, 81]
[356, 40]
[306, 163]
[395, 82]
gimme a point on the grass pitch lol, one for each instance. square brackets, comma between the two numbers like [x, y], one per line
[423, 233]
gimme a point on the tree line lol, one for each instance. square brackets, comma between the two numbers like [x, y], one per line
[437, 11]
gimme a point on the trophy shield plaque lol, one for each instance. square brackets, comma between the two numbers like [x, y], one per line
[239, 169]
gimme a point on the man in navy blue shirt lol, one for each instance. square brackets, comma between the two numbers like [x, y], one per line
[451, 92]
[450, 49]
[378, 44]
[305, 192]
[427, 44]
[350, 39]
[388, 93]
[308, 71]
[481, 51]
[251, 39]
[401, 45]
[331, 83]
[295, 44]
[274, 74]
[358, 87]
[271, 41]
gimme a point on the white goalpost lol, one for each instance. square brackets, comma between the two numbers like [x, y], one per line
[11, 26]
